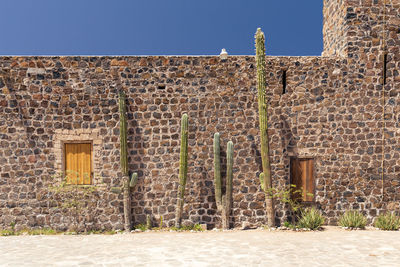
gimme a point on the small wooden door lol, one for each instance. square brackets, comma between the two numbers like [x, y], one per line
[302, 176]
[78, 163]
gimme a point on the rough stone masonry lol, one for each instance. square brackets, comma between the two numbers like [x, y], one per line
[341, 109]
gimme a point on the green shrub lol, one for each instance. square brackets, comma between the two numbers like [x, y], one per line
[311, 218]
[388, 222]
[141, 226]
[193, 227]
[353, 219]
[41, 231]
[7, 232]
[289, 225]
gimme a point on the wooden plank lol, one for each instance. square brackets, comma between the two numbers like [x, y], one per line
[310, 180]
[86, 163]
[69, 162]
[295, 176]
[304, 173]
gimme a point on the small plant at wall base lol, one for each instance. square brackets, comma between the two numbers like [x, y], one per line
[285, 195]
[353, 219]
[289, 225]
[311, 218]
[183, 161]
[388, 222]
[224, 201]
[69, 195]
[265, 176]
[192, 227]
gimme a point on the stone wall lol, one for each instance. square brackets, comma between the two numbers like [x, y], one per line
[331, 110]
[334, 28]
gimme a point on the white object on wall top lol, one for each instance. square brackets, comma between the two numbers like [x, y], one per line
[223, 54]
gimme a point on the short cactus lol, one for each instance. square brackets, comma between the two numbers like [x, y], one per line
[224, 201]
[149, 225]
[134, 179]
[183, 167]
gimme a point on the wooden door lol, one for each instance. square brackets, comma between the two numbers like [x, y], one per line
[78, 163]
[302, 176]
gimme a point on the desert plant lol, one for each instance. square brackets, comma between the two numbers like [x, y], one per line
[285, 195]
[388, 222]
[289, 225]
[192, 227]
[353, 219]
[311, 218]
[141, 226]
[183, 162]
[7, 232]
[265, 176]
[72, 197]
[124, 160]
[224, 201]
[41, 231]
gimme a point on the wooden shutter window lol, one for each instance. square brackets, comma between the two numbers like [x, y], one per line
[78, 163]
[302, 176]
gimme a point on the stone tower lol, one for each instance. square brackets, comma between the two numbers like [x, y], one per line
[354, 28]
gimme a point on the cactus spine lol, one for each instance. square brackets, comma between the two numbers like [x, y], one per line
[265, 177]
[224, 202]
[124, 160]
[182, 169]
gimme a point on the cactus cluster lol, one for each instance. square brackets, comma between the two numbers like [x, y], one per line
[265, 176]
[183, 167]
[224, 201]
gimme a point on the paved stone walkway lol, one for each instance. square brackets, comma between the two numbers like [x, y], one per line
[333, 247]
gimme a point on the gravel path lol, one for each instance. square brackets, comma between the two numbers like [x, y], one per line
[332, 247]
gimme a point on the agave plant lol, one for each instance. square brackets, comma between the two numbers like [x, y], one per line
[388, 222]
[353, 219]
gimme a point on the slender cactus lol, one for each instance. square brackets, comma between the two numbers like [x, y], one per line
[265, 179]
[227, 199]
[224, 202]
[217, 171]
[182, 169]
[124, 161]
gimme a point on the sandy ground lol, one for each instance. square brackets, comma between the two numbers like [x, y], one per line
[332, 247]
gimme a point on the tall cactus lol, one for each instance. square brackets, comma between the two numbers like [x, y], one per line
[124, 160]
[265, 177]
[224, 201]
[182, 170]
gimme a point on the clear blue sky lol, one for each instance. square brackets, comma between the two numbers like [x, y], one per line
[158, 27]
